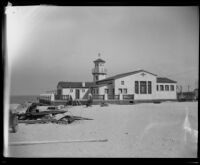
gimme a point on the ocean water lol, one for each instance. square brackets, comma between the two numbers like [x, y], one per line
[23, 98]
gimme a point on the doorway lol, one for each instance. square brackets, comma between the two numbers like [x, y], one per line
[77, 94]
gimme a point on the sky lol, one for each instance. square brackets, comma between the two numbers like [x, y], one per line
[48, 44]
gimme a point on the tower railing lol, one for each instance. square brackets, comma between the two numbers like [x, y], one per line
[99, 70]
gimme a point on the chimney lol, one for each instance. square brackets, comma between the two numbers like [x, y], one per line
[83, 84]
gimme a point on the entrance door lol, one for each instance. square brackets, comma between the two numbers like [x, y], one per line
[77, 93]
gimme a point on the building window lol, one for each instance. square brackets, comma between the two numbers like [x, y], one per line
[161, 87]
[172, 87]
[59, 91]
[113, 91]
[143, 87]
[106, 91]
[97, 91]
[97, 78]
[136, 87]
[120, 90]
[125, 91]
[122, 82]
[157, 87]
[83, 90]
[149, 87]
[71, 90]
[167, 87]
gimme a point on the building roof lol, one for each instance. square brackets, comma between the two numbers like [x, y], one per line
[124, 75]
[164, 80]
[63, 84]
[99, 60]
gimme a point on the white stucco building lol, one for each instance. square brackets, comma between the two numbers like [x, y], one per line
[137, 85]
[141, 85]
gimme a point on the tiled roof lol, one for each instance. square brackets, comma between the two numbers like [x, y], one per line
[164, 80]
[124, 75]
[99, 60]
[75, 84]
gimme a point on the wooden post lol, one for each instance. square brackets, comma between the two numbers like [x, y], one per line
[105, 96]
[120, 96]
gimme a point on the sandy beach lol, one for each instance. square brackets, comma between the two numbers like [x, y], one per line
[139, 130]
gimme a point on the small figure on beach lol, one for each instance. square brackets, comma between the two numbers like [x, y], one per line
[89, 101]
[70, 100]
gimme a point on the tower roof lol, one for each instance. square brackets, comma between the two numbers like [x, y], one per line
[99, 60]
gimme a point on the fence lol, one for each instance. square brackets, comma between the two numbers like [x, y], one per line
[62, 97]
[128, 97]
[113, 97]
[98, 97]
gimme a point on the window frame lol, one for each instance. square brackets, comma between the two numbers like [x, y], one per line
[166, 89]
[125, 89]
[172, 89]
[149, 90]
[136, 87]
[143, 85]
[120, 90]
[157, 87]
[161, 87]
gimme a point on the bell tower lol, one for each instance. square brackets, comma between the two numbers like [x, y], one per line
[99, 72]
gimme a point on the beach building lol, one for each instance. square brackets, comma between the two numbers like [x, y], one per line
[140, 85]
[77, 90]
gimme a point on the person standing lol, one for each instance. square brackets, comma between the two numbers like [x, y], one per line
[70, 100]
[89, 101]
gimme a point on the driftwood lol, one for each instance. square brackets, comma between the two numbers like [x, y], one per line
[80, 118]
[50, 142]
[33, 116]
[65, 120]
[36, 121]
[54, 112]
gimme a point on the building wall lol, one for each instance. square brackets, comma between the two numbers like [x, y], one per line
[67, 91]
[102, 88]
[166, 94]
[100, 77]
[110, 88]
[129, 83]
